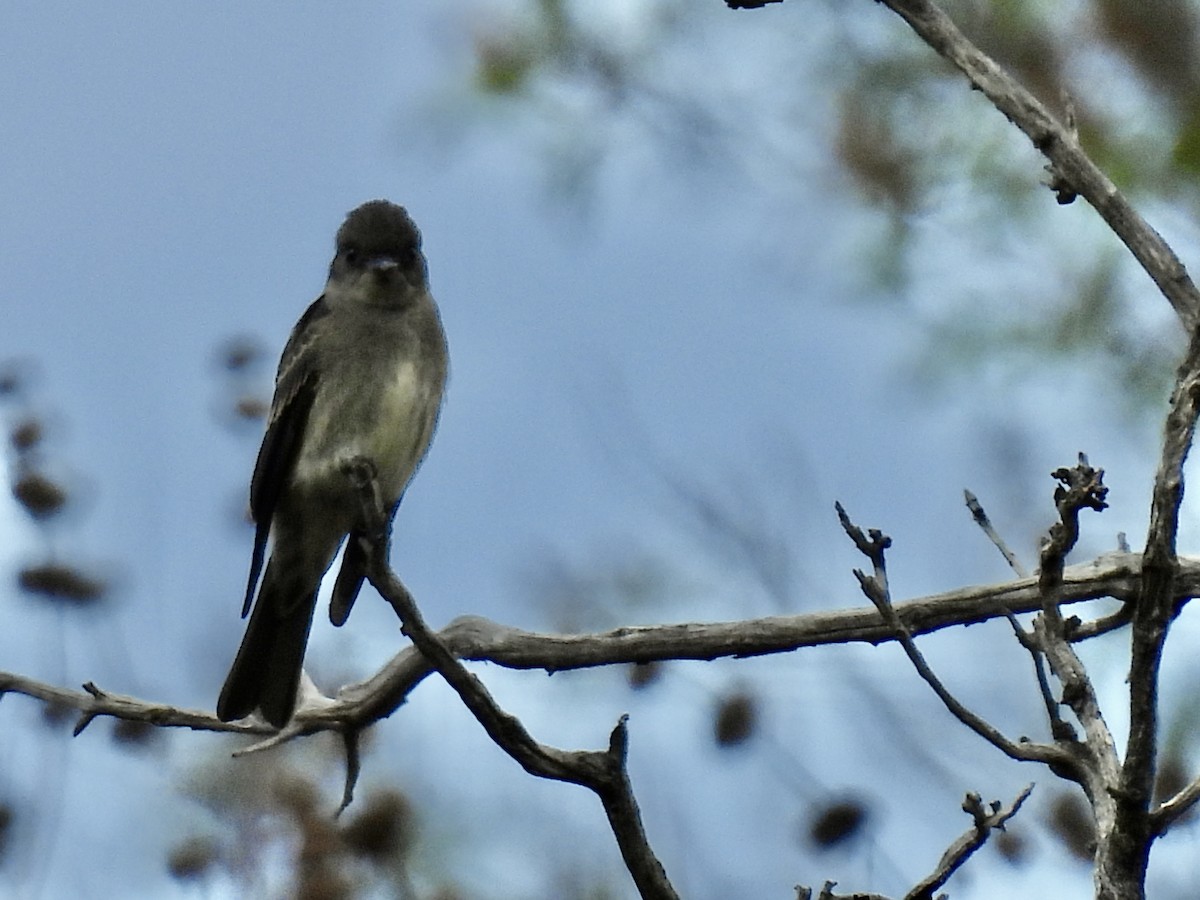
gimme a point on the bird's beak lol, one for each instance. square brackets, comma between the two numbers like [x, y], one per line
[383, 264]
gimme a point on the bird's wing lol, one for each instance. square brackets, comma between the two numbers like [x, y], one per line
[295, 387]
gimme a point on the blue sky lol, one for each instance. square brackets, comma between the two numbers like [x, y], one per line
[173, 176]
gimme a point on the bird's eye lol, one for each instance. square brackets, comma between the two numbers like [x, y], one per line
[352, 256]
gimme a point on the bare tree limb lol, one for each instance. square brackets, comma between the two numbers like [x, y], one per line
[960, 851]
[805, 893]
[1096, 763]
[1082, 487]
[602, 772]
[1115, 575]
[93, 702]
[987, 819]
[1120, 793]
[1175, 808]
[1124, 850]
[982, 520]
[877, 591]
[1073, 169]
[1059, 728]
[1082, 631]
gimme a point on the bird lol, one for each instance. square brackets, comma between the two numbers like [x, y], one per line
[361, 381]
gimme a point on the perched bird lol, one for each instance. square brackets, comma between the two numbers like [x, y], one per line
[361, 379]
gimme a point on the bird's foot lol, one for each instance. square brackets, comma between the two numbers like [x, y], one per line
[364, 477]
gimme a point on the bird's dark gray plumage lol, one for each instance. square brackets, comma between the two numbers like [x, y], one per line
[361, 378]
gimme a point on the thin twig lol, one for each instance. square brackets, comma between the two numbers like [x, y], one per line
[1060, 729]
[982, 520]
[1086, 630]
[960, 851]
[986, 820]
[875, 588]
[1172, 810]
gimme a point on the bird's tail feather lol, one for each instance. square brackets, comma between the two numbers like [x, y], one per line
[266, 672]
[349, 580]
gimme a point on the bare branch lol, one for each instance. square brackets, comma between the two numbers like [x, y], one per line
[1073, 170]
[1096, 765]
[1082, 631]
[475, 638]
[805, 893]
[604, 772]
[1122, 858]
[1120, 798]
[93, 702]
[1082, 487]
[876, 589]
[1174, 809]
[960, 851]
[982, 520]
[986, 820]
[1059, 729]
